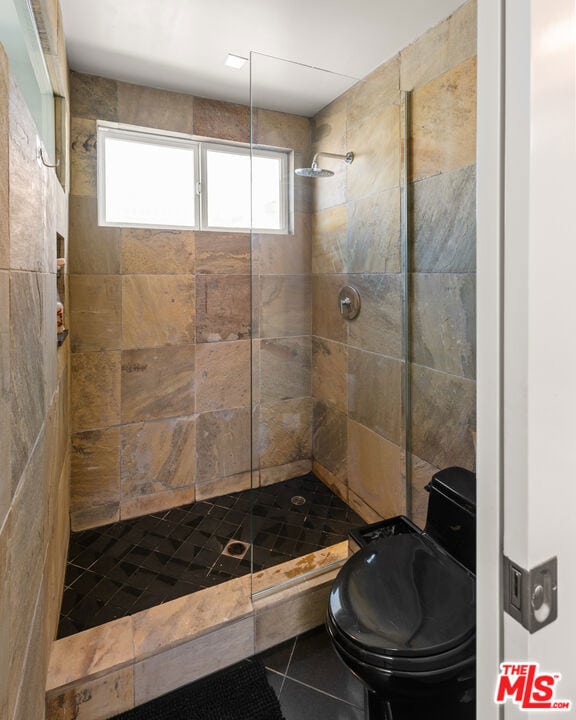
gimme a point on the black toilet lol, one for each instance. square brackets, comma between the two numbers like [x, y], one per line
[402, 610]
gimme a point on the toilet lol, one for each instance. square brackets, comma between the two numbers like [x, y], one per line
[402, 610]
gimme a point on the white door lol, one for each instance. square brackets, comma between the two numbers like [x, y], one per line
[526, 333]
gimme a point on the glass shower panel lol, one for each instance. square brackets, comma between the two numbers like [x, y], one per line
[327, 390]
[20, 38]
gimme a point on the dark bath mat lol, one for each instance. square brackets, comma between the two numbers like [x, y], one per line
[240, 692]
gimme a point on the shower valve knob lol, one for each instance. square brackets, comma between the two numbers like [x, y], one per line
[349, 300]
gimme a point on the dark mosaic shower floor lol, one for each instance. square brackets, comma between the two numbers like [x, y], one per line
[132, 565]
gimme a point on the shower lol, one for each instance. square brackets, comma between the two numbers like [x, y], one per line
[315, 171]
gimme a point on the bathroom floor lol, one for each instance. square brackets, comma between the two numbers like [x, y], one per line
[310, 680]
[128, 566]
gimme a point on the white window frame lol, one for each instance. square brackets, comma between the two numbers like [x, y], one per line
[162, 137]
[242, 149]
[152, 137]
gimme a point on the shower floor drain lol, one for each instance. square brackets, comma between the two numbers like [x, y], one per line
[298, 500]
[236, 549]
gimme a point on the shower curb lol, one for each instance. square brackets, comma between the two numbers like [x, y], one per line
[111, 668]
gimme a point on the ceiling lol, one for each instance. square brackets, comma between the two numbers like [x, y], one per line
[181, 45]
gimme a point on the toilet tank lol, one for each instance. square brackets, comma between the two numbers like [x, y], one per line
[451, 518]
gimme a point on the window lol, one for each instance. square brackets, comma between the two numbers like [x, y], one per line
[149, 179]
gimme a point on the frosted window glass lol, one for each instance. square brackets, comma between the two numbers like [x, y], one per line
[149, 184]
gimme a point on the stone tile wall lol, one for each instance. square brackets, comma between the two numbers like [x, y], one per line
[34, 417]
[357, 367]
[162, 329]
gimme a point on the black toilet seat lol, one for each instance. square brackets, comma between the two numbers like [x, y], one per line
[403, 604]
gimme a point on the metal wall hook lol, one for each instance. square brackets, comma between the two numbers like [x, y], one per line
[43, 161]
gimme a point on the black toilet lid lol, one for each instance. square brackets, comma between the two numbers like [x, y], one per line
[402, 595]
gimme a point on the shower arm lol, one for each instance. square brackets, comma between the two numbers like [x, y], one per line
[348, 157]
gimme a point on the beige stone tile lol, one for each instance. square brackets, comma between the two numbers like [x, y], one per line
[5, 609]
[285, 254]
[95, 389]
[444, 122]
[284, 572]
[82, 157]
[373, 241]
[92, 249]
[377, 90]
[378, 327]
[339, 486]
[86, 654]
[421, 473]
[443, 414]
[5, 396]
[329, 135]
[444, 322]
[154, 108]
[190, 661]
[157, 383]
[329, 430]
[329, 373]
[284, 615]
[222, 308]
[222, 375]
[157, 310]
[222, 444]
[279, 473]
[444, 222]
[93, 97]
[221, 120]
[146, 504]
[284, 305]
[255, 379]
[364, 510]
[30, 699]
[27, 382]
[223, 253]
[447, 44]
[326, 319]
[283, 130]
[375, 472]
[95, 312]
[284, 432]
[24, 564]
[94, 517]
[95, 472]
[152, 251]
[101, 698]
[376, 147]
[226, 485]
[285, 368]
[26, 184]
[4, 163]
[158, 456]
[375, 393]
[190, 617]
[329, 236]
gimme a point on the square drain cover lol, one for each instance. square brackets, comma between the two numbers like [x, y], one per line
[236, 549]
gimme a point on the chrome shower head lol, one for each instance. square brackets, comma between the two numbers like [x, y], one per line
[314, 171]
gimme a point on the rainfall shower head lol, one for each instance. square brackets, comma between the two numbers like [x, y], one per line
[314, 171]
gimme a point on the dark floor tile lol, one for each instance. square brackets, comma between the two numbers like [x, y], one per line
[278, 657]
[275, 680]
[300, 702]
[314, 662]
[133, 564]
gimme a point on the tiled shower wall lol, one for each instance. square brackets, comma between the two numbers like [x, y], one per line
[358, 434]
[161, 329]
[34, 422]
